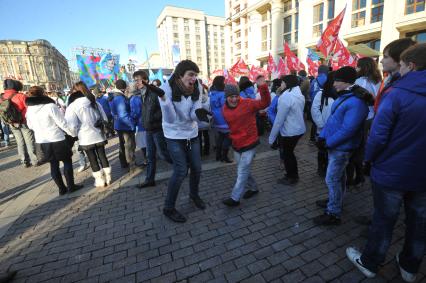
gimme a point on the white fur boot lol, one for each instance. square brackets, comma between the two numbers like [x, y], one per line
[99, 178]
[107, 172]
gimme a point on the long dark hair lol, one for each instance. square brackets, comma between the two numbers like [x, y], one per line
[328, 90]
[290, 81]
[218, 83]
[82, 87]
[276, 83]
[368, 68]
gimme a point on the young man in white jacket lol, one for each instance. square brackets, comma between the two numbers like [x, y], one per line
[181, 110]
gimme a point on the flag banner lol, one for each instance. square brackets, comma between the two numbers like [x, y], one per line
[239, 68]
[102, 69]
[256, 71]
[152, 76]
[282, 68]
[229, 78]
[175, 55]
[272, 67]
[314, 62]
[342, 57]
[329, 36]
[159, 75]
[132, 51]
[291, 59]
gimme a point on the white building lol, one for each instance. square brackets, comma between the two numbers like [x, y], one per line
[256, 28]
[200, 38]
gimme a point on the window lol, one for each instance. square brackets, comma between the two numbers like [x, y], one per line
[238, 34]
[186, 36]
[287, 5]
[373, 44]
[318, 18]
[176, 35]
[419, 36]
[175, 27]
[186, 28]
[377, 11]
[358, 19]
[358, 4]
[330, 9]
[264, 38]
[287, 29]
[197, 37]
[197, 30]
[414, 6]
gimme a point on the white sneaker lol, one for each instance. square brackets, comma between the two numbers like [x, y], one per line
[406, 276]
[355, 257]
[82, 168]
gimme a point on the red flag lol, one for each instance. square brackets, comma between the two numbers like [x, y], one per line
[256, 71]
[282, 68]
[292, 61]
[313, 66]
[272, 67]
[214, 74]
[229, 79]
[342, 55]
[239, 68]
[329, 36]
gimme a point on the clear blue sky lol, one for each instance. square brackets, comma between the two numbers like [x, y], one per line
[94, 23]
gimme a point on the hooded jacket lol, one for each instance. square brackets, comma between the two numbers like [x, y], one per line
[135, 102]
[217, 101]
[343, 130]
[81, 118]
[242, 120]
[396, 145]
[46, 120]
[120, 110]
[249, 92]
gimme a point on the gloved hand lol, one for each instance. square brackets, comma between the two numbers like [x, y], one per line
[321, 144]
[202, 114]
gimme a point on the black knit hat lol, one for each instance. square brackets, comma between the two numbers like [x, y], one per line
[120, 84]
[345, 74]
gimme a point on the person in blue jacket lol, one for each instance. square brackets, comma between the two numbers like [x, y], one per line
[396, 151]
[135, 102]
[102, 99]
[341, 135]
[217, 101]
[317, 85]
[246, 88]
[124, 125]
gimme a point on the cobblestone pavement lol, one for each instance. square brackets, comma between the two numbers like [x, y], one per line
[119, 234]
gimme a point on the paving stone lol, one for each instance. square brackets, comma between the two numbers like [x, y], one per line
[274, 272]
[187, 271]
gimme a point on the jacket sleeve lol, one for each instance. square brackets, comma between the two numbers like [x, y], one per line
[265, 99]
[58, 117]
[123, 114]
[101, 110]
[72, 120]
[167, 109]
[196, 105]
[135, 108]
[272, 109]
[316, 112]
[381, 129]
[283, 109]
[352, 121]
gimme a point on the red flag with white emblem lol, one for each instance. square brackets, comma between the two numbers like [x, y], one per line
[329, 36]
[291, 59]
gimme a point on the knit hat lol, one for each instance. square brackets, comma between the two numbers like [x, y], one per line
[231, 90]
[345, 74]
[120, 84]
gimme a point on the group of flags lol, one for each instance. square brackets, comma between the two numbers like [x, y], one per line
[332, 48]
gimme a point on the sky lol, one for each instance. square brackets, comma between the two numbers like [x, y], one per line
[93, 23]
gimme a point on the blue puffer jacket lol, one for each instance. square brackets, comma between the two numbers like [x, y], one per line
[103, 101]
[344, 128]
[397, 142]
[136, 111]
[248, 93]
[317, 85]
[273, 109]
[217, 100]
[120, 109]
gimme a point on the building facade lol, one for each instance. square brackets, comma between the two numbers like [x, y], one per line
[256, 28]
[196, 36]
[34, 63]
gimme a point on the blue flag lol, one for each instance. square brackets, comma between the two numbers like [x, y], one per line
[312, 55]
[159, 75]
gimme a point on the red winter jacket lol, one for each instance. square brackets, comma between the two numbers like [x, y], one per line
[242, 120]
[18, 100]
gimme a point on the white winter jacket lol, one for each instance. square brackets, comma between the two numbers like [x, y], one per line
[289, 120]
[179, 119]
[48, 123]
[320, 117]
[81, 118]
[372, 88]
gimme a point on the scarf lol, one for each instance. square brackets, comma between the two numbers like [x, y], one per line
[179, 90]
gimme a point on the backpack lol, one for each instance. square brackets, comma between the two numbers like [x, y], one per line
[8, 111]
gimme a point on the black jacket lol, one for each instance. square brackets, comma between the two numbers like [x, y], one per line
[151, 110]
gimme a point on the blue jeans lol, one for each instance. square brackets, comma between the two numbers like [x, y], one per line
[336, 180]
[387, 203]
[184, 154]
[244, 177]
[155, 143]
[6, 132]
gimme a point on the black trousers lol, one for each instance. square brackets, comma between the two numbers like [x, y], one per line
[288, 144]
[204, 137]
[95, 154]
[55, 172]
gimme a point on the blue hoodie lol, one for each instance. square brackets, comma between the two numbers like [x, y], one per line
[273, 109]
[217, 100]
[136, 111]
[396, 145]
[248, 93]
[317, 85]
[103, 101]
[120, 109]
[343, 130]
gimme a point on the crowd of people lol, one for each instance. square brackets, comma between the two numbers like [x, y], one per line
[361, 124]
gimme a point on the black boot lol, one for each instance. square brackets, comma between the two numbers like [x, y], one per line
[69, 177]
[60, 183]
[225, 156]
